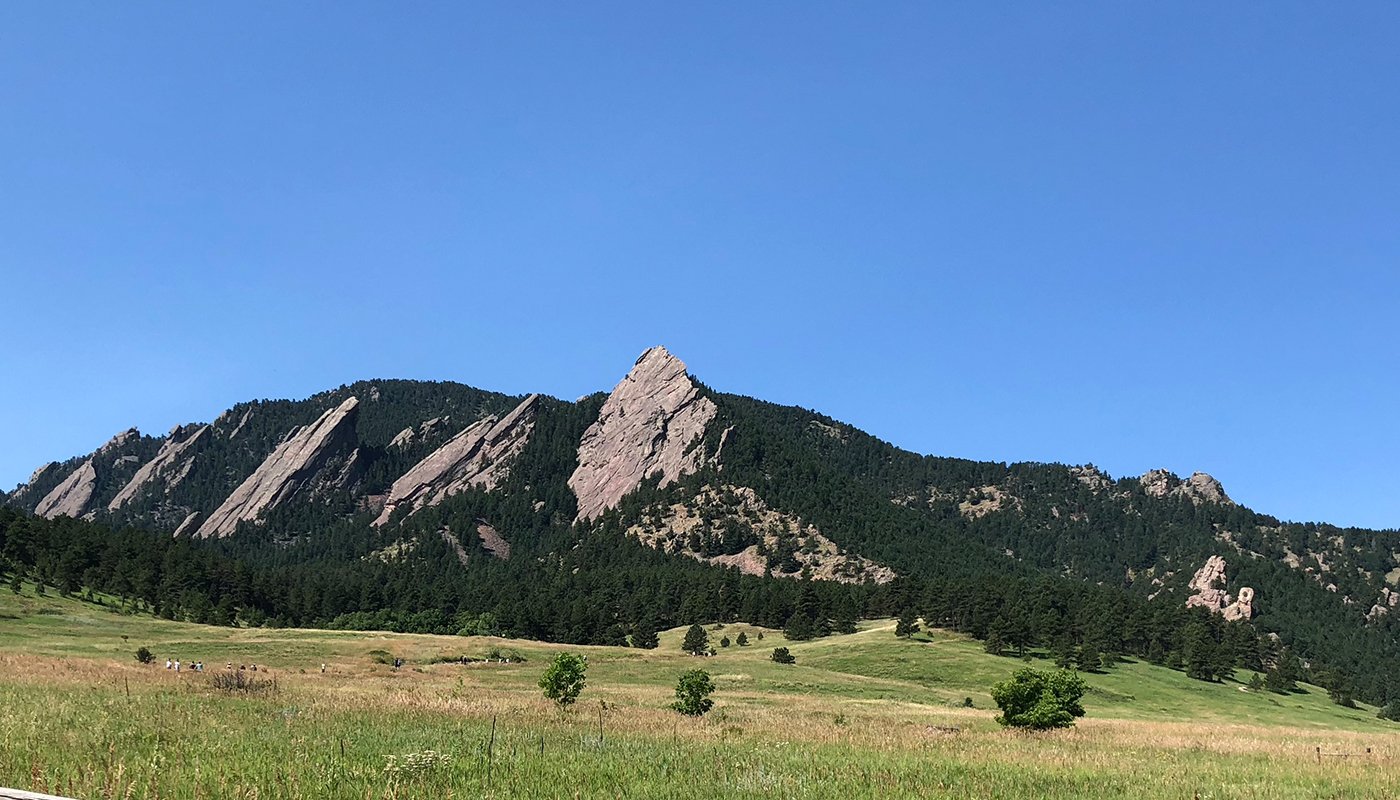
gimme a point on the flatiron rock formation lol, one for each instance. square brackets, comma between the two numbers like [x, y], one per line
[294, 463]
[71, 497]
[647, 425]
[170, 464]
[478, 456]
[1208, 591]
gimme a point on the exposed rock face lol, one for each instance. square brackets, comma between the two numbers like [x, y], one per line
[986, 499]
[170, 464]
[740, 509]
[1199, 488]
[478, 456]
[71, 497]
[1208, 591]
[492, 541]
[1388, 601]
[121, 439]
[1092, 477]
[647, 425]
[293, 464]
[409, 435]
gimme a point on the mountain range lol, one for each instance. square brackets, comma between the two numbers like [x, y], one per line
[448, 476]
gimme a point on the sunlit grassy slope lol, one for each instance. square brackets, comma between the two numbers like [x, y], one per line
[863, 715]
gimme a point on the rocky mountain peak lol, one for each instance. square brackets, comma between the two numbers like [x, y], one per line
[295, 463]
[1199, 488]
[647, 425]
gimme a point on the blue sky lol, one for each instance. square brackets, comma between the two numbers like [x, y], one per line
[1139, 235]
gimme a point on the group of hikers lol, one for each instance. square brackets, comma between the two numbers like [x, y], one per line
[198, 666]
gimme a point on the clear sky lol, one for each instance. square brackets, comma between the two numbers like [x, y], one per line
[1135, 234]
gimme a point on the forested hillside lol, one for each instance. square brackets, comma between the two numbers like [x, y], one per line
[436, 507]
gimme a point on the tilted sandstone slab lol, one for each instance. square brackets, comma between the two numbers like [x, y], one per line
[1208, 591]
[647, 425]
[478, 456]
[295, 462]
[71, 497]
[169, 465]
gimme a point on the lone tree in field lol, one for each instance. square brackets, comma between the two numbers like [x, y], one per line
[144, 655]
[782, 656]
[697, 642]
[563, 680]
[693, 692]
[743, 640]
[1040, 700]
[907, 625]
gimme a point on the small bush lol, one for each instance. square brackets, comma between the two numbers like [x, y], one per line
[240, 682]
[144, 655]
[1040, 700]
[564, 679]
[381, 657]
[782, 656]
[693, 692]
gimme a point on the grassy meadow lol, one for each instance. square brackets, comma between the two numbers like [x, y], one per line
[862, 715]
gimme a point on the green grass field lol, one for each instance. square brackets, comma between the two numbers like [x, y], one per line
[863, 715]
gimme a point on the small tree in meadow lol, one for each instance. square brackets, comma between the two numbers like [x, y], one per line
[144, 655]
[743, 640]
[724, 641]
[563, 680]
[1040, 700]
[693, 692]
[697, 642]
[907, 625]
[782, 656]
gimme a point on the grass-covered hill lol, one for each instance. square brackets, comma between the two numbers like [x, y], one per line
[858, 715]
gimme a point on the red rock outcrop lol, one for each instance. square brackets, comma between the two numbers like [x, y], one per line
[647, 425]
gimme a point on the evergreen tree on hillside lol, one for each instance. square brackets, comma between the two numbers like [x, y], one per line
[907, 625]
[696, 642]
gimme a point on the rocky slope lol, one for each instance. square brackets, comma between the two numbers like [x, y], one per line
[648, 425]
[477, 456]
[298, 462]
[170, 466]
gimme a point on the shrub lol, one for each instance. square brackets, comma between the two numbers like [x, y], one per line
[1040, 700]
[782, 656]
[564, 680]
[693, 692]
[236, 681]
[743, 640]
[724, 641]
[144, 655]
